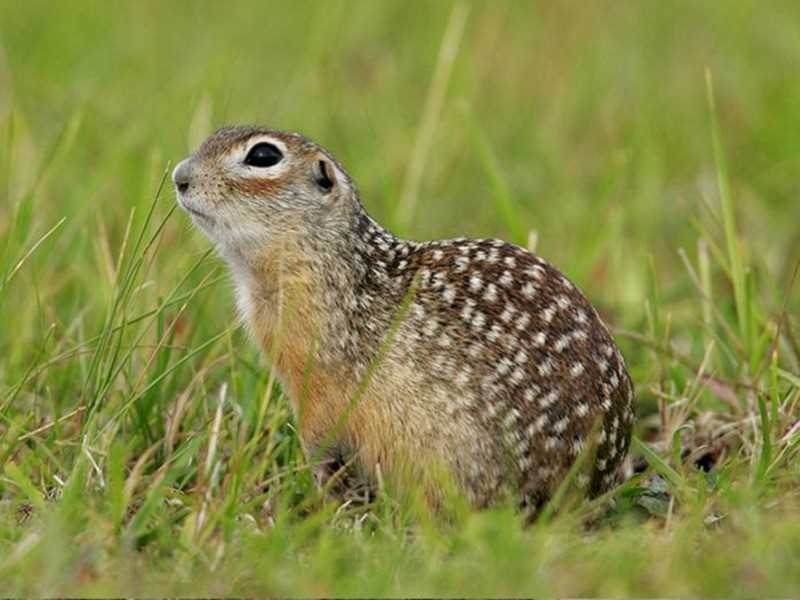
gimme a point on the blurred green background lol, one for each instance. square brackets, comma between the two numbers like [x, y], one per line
[584, 126]
[595, 113]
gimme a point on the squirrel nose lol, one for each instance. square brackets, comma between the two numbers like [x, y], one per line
[182, 175]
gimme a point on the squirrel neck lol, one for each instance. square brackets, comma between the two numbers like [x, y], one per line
[328, 296]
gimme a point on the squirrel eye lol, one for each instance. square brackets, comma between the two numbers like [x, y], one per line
[263, 155]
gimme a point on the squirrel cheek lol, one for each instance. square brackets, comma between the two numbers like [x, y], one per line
[261, 187]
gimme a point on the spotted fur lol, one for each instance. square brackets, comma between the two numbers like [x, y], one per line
[474, 354]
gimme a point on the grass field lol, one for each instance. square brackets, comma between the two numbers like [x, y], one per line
[650, 150]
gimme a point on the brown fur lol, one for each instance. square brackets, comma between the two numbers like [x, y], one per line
[256, 187]
[497, 371]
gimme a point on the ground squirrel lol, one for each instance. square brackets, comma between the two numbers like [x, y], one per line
[398, 355]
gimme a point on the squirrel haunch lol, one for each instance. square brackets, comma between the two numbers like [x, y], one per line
[399, 356]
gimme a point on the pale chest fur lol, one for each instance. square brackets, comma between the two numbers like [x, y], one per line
[279, 302]
[385, 419]
[286, 314]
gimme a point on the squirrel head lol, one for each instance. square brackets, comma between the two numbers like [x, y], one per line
[247, 187]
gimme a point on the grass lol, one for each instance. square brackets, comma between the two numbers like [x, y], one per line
[649, 151]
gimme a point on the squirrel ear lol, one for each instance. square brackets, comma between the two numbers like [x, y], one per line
[324, 175]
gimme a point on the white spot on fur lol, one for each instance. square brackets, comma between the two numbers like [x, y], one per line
[475, 350]
[503, 367]
[529, 290]
[548, 313]
[510, 341]
[506, 279]
[424, 277]
[548, 399]
[430, 327]
[546, 367]
[552, 443]
[475, 283]
[508, 312]
[531, 392]
[491, 293]
[537, 426]
[418, 310]
[469, 307]
[535, 271]
[562, 342]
